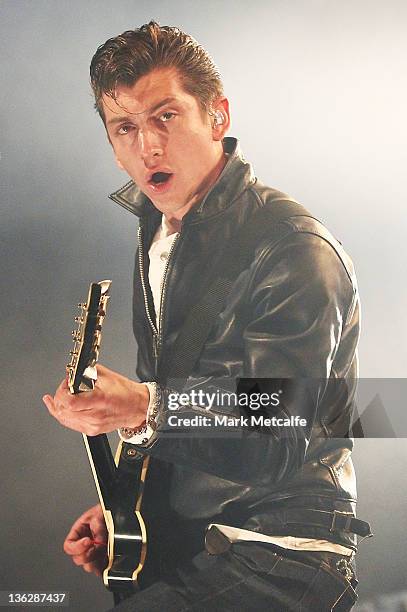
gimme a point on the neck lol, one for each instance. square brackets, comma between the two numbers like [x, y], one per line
[174, 219]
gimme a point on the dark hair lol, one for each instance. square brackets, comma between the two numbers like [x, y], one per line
[122, 60]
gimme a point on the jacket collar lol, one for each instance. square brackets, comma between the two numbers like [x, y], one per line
[234, 178]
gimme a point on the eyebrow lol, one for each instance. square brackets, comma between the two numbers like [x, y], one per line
[155, 107]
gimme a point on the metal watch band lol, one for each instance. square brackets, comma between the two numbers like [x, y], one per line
[148, 428]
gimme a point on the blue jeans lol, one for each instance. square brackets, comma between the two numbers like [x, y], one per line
[250, 577]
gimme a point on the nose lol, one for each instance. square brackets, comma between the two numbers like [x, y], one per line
[150, 144]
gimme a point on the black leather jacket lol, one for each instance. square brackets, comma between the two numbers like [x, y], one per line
[292, 313]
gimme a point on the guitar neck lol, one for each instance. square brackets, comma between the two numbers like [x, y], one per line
[103, 467]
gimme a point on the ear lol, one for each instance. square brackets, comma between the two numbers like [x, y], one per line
[221, 118]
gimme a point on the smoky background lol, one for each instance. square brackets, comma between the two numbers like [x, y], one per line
[318, 98]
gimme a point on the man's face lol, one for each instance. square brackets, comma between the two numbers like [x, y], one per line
[165, 141]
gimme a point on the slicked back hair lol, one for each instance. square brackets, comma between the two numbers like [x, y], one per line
[122, 60]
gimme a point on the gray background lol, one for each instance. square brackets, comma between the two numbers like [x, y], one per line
[318, 98]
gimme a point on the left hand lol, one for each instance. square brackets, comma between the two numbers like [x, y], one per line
[116, 401]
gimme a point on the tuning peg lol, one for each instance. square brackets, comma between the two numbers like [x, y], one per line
[81, 305]
[73, 353]
[78, 319]
[76, 334]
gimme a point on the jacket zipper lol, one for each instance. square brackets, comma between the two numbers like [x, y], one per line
[164, 290]
[143, 284]
[157, 331]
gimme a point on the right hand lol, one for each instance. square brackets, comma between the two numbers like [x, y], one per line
[79, 545]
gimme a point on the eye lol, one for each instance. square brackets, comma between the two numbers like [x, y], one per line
[125, 129]
[167, 116]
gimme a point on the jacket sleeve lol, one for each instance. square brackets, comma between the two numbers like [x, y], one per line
[296, 303]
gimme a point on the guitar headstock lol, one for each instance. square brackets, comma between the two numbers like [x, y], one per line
[87, 337]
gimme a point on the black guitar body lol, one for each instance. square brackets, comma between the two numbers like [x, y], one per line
[120, 493]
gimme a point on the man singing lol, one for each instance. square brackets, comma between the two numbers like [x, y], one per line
[260, 517]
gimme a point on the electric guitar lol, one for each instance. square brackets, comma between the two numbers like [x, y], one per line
[120, 491]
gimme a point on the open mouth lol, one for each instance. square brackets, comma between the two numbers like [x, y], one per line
[160, 178]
